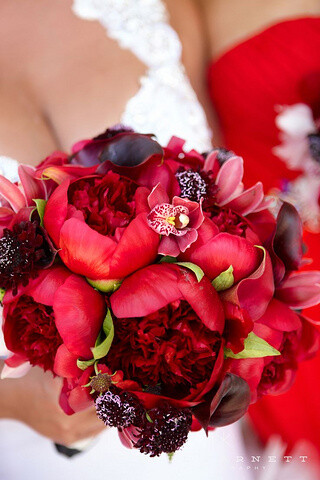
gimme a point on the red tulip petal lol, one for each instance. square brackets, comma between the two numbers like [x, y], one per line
[270, 335]
[79, 313]
[12, 194]
[300, 290]
[55, 212]
[86, 251]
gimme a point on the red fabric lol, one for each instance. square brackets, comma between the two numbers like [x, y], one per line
[279, 66]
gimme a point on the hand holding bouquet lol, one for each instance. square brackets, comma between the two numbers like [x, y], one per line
[154, 284]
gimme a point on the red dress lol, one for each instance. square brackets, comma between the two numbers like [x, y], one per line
[279, 66]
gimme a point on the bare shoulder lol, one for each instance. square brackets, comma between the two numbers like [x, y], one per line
[185, 18]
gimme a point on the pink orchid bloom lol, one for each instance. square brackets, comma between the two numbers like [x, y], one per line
[16, 201]
[177, 222]
[231, 192]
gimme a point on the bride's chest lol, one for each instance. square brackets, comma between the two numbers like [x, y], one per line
[114, 61]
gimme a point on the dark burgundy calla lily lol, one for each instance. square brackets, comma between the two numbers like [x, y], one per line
[287, 242]
[120, 147]
[225, 405]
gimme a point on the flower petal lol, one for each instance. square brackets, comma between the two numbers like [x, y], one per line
[300, 290]
[224, 250]
[228, 179]
[84, 250]
[157, 196]
[79, 313]
[146, 291]
[248, 200]
[56, 212]
[254, 292]
[65, 363]
[16, 372]
[12, 194]
[279, 316]
[137, 237]
[288, 238]
[33, 188]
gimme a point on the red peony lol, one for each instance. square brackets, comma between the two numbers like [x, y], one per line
[169, 350]
[57, 309]
[99, 223]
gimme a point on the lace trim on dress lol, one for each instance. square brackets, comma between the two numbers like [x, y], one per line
[9, 168]
[166, 104]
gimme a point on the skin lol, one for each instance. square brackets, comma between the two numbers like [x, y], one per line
[64, 82]
[40, 409]
[230, 22]
[68, 80]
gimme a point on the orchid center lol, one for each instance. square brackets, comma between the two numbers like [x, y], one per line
[167, 219]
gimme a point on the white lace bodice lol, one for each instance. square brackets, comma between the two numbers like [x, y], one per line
[165, 104]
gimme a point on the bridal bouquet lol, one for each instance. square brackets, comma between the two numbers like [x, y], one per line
[154, 284]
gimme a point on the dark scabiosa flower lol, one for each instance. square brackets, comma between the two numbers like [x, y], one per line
[195, 185]
[165, 431]
[119, 409]
[24, 250]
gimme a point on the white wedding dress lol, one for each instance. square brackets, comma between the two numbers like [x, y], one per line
[165, 105]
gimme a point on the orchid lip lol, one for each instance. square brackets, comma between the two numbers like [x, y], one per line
[167, 219]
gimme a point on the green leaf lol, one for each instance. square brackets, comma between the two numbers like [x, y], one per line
[104, 339]
[254, 347]
[191, 266]
[224, 281]
[40, 207]
[168, 259]
[170, 456]
[2, 293]
[84, 364]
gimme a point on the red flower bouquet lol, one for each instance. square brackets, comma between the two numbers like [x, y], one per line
[154, 284]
